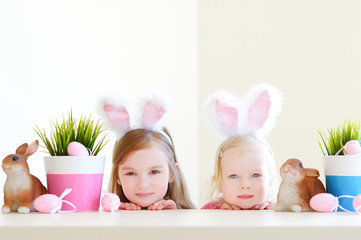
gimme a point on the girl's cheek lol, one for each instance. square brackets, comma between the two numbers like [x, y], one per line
[158, 181]
[126, 181]
[263, 187]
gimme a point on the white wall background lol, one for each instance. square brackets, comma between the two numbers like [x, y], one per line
[58, 55]
[310, 49]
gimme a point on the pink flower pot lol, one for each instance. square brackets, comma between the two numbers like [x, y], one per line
[83, 174]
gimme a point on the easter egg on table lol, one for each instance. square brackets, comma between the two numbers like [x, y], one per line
[110, 202]
[48, 203]
[324, 202]
[77, 149]
[356, 203]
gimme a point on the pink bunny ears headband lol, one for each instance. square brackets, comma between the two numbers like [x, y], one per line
[254, 114]
[149, 116]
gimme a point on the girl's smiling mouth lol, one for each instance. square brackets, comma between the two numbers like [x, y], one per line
[245, 196]
[143, 195]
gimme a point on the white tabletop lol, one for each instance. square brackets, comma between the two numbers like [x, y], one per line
[210, 224]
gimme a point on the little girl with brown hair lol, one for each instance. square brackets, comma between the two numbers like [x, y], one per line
[145, 172]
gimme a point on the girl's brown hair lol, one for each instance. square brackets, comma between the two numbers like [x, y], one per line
[139, 139]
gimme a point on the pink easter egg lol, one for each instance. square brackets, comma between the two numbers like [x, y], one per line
[47, 203]
[324, 202]
[356, 203]
[352, 147]
[77, 149]
[110, 202]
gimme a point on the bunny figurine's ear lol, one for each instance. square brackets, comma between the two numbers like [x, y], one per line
[118, 116]
[223, 112]
[264, 103]
[22, 148]
[156, 104]
[32, 148]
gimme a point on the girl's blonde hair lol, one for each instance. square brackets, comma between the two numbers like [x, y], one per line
[244, 142]
[139, 139]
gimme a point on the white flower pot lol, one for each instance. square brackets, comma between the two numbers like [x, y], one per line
[343, 177]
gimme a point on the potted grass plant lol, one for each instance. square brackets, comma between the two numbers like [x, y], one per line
[342, 169]
[74, 163]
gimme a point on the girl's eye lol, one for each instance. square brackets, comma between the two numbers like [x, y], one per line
[130, 174]
[256, 175]
[154, 172]
[234, 176]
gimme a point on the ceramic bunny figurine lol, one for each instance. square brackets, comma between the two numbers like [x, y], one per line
[298, 186]
[21, 188]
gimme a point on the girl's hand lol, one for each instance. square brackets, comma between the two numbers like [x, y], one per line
[163, 204]
[129, 206]
[226, 206]
[262, 206]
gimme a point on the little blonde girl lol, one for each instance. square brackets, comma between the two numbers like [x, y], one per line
[244, 175]
[145, 172]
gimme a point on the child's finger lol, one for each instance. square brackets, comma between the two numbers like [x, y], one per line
[228, 207]
[225, 206]
[122, 205]
[170, 204]
[130, 206]
[154, 206]
[135, 207]
[268, 207]
[158, 205]
[256, 207]
[162, 205]
[235, 207]
[126, 206]
[262, 206]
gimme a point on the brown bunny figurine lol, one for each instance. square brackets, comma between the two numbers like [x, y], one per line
[298, 186]
[21, 188]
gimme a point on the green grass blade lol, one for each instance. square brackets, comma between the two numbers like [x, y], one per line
[69, 130]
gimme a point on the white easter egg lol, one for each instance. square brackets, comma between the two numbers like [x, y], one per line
[77, 149]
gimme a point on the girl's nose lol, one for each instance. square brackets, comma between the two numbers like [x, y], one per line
[143, 182]
[245, 184]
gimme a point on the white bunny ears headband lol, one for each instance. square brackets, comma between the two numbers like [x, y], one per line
[150, 115]
[255, 114]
